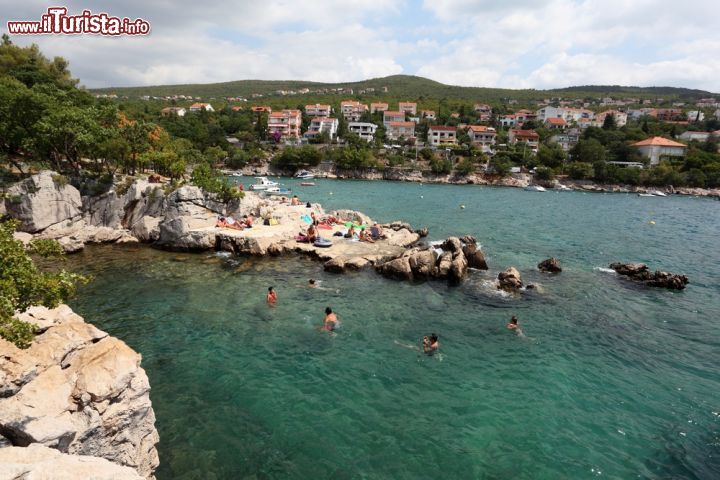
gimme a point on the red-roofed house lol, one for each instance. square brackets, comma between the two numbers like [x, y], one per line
[408, 107]
[482, 136]
[395, 130]
[169, 111]
[670, 115]
[558, 123]
[438, 134]
[530, 137]
[317, 110]
[620, 117]
[286, 122]
[508, 120]
[196, 107]
[392, 116]
[260, 109]
[352, 110]
[378, 107]
[656, 148]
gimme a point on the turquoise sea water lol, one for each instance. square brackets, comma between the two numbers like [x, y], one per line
[611, 380]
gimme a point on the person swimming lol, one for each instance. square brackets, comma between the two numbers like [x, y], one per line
[312, 283]
[430, 344]
[271, 296]
[331, 322]
[513, 325]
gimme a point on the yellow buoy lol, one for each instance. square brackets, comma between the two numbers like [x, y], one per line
[652, 222]
[462, 206]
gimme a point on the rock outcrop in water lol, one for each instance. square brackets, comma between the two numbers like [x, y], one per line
[510, 280]
[641, 273]
[445, 262]
[77, 390]
[551, 265]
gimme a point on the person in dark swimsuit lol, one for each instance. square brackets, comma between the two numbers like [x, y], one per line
[331, 322]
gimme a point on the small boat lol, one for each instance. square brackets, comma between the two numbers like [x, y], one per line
[307, 184]
[277, 191]
[305, 174]
[645, 195]
[657, 193]
[322, 243]
[534, 188]
[562, 188]
[263, 183]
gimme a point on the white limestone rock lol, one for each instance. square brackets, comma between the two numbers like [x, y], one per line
[43, 200]
[77, 390]
[38, 462]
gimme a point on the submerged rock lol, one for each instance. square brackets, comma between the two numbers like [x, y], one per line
[551, 265]
[77, 390]
[510, 279]
[641, 273]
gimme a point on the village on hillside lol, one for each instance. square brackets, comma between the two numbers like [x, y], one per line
[518, 134]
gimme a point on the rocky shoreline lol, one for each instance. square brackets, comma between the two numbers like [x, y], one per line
[75, 404]
[185, 220]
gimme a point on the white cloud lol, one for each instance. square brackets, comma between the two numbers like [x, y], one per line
[520, 43]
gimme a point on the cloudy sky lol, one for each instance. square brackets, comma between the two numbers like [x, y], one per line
[488, 43]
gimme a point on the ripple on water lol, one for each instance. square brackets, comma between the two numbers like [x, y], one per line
[243, 390]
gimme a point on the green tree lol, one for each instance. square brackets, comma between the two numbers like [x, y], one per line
[465, 166]
[22, 284]
[501, 165]
[588, 150]
[440, 165]
[544, 173]
[68, 133]
[609, 122]
[580, 170]
[552, 156]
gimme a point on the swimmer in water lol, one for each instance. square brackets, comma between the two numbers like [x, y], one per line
[430, 344]
[271, 296]
[513, 325]
[312, 283]
[331, 322]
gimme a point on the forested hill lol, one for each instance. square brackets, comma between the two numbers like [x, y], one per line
[398, 87]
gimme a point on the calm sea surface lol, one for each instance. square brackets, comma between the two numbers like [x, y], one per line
[610, 380]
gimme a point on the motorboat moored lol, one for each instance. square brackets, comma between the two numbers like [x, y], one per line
[263, 183]
[305, 175]
[534, 188]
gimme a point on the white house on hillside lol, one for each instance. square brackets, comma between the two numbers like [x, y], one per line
[438, 134]
[320, 125]
[196, 107]
[364, 130]
[656, 148]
